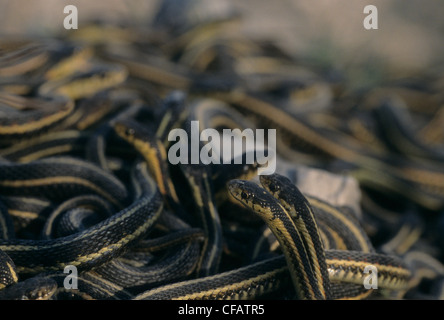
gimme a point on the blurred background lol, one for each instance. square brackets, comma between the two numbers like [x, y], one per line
[324, 32]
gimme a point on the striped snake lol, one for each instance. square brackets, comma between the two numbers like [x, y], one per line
[85, 178]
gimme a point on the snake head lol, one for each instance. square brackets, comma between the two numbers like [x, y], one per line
[124, 129]
[239, 191]
[273, 183]
[250, 194]
[133, 131]
[288, 195]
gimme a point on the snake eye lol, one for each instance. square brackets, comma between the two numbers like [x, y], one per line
[129, 131]
[244, 195]
[273, 187]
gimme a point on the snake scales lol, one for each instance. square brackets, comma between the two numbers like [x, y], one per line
[85, 180]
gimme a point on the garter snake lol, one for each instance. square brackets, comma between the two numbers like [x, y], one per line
[27, 213]
[153, 151]
[151, 268]
[22, 117]
[395, 126]
[207, 182]
[270, 276]
[80, 85]
[199, 181]
[20, 57]
[293, 207]
[68, 60]
[36, 288]
[289, 236]
[60, 177]
[91, 286]
[373, 169]
[76, 214]
[75, 118]
[301, 213]
[94, 245]
[6, 223]
[45, 145]
[337, 230]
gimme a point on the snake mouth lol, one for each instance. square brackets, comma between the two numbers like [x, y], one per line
[249, 194]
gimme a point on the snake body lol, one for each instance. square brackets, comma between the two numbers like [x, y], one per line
[86, 182]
